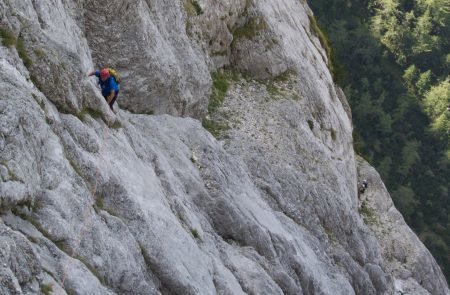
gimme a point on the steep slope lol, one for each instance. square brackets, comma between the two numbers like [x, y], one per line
[94, 202]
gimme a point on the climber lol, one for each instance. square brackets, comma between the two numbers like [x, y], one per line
[108, 83]
[363, 186]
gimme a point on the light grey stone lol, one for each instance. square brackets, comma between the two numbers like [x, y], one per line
[101, 202]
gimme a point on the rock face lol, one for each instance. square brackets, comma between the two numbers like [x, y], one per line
[95, 202]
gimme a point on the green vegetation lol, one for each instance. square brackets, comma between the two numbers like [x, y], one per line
[99, 203]
[195, 234]
[394, 63]
[219, 90]
[95, 114]
[46, 289]
[315, 29]
[311, 124]
[193, 7]
[9, 40]
[215, 128]
[250, 29]
[40, 53]
[92, 269]
[7, 37]
[277, 86]
[75, 168]
[367, 214]
[21, 50]
[221, 81]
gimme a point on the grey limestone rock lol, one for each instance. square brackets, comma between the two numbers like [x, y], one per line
[124, 202]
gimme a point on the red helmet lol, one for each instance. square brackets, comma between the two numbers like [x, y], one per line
[104, 74]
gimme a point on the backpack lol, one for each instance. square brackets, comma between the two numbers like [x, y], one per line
[113, 73]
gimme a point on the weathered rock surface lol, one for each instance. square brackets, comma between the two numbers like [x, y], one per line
[95, 202]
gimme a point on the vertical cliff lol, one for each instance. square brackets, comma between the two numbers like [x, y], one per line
[145, 200]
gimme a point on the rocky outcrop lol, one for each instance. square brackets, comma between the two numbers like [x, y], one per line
[95, 202]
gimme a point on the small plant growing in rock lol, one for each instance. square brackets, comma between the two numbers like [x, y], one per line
[193, 7]
[46, 289]
[40, 53]
[195, 234]
[7, 37]
[23, 53]
[251, 28]
[333, 134]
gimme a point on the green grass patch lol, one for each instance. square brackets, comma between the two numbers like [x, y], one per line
[7, 37]
[336, 68]
[219, 90]
[330, 235]
[250, 29]
[99, 203]
[40, 53]
[273, 89]
[315, 29]
[46, 289]
[367, 214]
[215, 128]
[75, 167]
[195, 234]
[91, 112]
[21, 50]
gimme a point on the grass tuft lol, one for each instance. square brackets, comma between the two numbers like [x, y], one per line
[46, 289]
[40, 52]
[23, 53]
[91, 112]
[215, 128]
[250, 29]
[7, 37]
[192, 7]
[195, 234]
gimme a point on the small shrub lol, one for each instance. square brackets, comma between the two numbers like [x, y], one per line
[46, 289]
[195, 234]
[40, 53]
[310, 124]
[197, 7]
[7, 37]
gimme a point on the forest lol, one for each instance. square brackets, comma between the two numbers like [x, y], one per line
[392, 59]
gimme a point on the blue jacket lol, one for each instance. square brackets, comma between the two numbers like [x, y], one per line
[108, 85]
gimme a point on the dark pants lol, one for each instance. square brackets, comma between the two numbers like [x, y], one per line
[112, 101]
